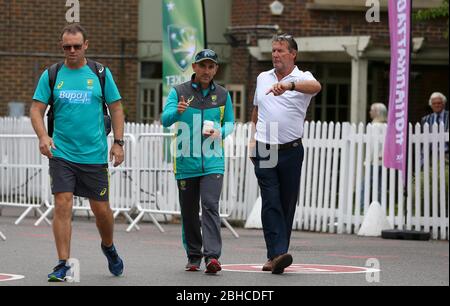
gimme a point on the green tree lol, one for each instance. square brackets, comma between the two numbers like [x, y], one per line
[434, 13]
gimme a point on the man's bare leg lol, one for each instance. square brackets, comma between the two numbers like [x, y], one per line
[104, 220]
[105, 224]
[62, 224]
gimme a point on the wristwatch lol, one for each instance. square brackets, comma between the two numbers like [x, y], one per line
[120, 142]
[292, 85]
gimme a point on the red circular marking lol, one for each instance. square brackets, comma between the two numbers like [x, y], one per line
[302, 269]
[9, 277]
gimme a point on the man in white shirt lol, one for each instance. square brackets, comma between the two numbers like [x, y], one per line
[281, 100]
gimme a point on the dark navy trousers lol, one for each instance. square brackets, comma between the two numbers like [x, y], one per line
[280, 185]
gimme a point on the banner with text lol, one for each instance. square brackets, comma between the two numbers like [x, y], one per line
[395, 149]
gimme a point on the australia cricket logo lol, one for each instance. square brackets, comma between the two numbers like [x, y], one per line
[182, 41]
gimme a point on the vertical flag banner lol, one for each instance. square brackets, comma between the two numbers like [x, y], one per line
[395, 149]
[183, 36]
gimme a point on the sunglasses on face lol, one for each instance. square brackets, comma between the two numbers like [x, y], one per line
[69, 47]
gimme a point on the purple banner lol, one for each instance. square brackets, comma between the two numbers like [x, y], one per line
[396, 137]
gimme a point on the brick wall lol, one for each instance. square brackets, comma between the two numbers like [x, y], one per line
[425, 80]
[301, 22]
[29, 35]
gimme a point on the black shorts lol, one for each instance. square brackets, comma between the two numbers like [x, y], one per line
[88, 181]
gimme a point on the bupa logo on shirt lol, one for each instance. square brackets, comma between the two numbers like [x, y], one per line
[75, 97]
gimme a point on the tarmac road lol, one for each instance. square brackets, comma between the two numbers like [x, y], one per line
[157, 259]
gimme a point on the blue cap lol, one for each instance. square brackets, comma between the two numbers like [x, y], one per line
[206, 54]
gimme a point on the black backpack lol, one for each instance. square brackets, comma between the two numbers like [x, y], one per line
[99, 70]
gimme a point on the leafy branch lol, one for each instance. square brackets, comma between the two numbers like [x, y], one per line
[434, 13]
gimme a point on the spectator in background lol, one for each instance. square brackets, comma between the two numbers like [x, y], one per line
[378, 113]
[378, 116]
[437, 103]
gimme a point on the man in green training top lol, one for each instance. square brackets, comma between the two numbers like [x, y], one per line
[204, 116]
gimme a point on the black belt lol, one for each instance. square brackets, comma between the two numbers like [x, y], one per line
[293, 144]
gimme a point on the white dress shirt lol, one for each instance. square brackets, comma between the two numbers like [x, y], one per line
[280, 118]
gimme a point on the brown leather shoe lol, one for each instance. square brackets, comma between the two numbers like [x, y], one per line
[280, 263]
[267, 266]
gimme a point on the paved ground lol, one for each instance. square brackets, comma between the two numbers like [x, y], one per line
[157, 259]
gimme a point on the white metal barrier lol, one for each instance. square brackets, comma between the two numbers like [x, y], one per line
[342, 174]
[16, 126]
[23, 174]
[122, 187]
[157, 193]
[157, 190]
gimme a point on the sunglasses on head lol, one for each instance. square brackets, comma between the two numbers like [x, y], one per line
[283, 37]
[288, 38]
[69, 47]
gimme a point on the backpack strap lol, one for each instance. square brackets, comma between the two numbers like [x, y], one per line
[100, 71]
[52, 75]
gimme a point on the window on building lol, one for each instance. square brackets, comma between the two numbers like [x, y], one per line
[150, 92]
[150, 101]
[237, 93]
[333, 102]
[151, 70]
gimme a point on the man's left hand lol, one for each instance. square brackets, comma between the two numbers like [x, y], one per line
[117, 154]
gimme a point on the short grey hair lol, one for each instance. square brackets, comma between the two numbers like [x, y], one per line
[380, 110]
[73, 29]
[437, 95]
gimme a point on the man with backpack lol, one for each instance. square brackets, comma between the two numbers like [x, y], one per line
[76, 144]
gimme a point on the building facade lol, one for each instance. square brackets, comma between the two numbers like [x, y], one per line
[347, 54]
[29, 43]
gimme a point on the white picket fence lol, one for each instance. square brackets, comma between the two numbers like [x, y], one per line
[342, 174]
[343, 160]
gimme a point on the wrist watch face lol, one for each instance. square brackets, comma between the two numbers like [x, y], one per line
[120, 142]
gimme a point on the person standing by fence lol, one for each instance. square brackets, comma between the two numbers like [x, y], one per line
[78, 149]
[281, 100]
[203, 112]
[439, 116]
[378, 117]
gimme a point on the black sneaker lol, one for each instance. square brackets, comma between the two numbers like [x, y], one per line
[193, 264]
